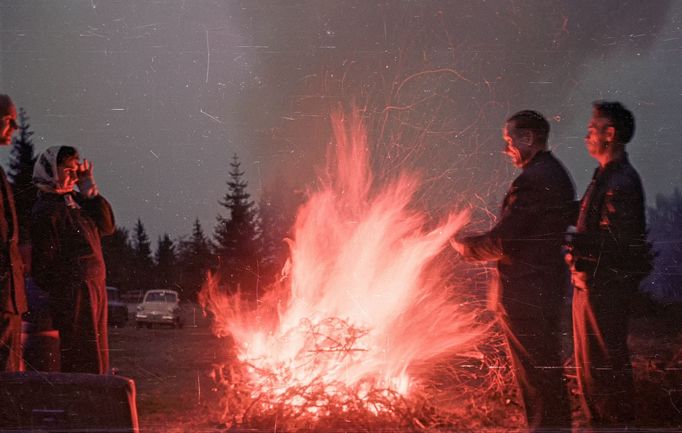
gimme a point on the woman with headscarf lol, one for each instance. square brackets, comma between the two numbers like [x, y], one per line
[67, 261]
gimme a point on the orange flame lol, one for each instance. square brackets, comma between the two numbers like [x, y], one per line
[364, 299]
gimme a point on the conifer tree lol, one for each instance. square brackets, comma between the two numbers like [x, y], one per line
[143, 264]
[195, 260]
[20, 175]
[276, 214]
[118, 255]
[236, 236]
[200, 245]
[166, 263]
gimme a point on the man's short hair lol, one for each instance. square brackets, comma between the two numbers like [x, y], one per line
[620, 117]
[533, 121]
[5, 104]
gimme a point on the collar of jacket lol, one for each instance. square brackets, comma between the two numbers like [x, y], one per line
[536, 158]
[612, 165]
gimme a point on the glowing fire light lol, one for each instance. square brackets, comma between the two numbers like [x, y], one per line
[365, 301]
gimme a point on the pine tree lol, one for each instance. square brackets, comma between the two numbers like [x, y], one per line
[166, 264]
[20, 175]
[236, 236]
[276, 214]
[201, 246]
[142, 266]
[195, 260]
[118, 255]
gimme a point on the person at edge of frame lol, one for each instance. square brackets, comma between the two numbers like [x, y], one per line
[608, 256]
[12, 295]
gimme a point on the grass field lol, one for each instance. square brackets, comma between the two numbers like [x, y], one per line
[172, 367]
[171, 370]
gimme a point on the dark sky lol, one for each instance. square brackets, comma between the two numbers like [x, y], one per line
[161, 94]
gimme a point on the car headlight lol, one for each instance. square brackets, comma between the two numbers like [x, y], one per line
[140, 308]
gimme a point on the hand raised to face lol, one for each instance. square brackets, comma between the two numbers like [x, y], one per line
[84, 169]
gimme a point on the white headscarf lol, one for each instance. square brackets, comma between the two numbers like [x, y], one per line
[46, 177]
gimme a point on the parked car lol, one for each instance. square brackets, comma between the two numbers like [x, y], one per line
[159, 306]
[117, 310]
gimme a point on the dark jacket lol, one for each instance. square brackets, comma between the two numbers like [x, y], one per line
[527, 240]
[12, 296]
[611, 230]
[66, 246]
[68, 265]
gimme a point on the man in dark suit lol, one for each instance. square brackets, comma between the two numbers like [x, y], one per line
[12, 296]
[609, 258]
[527, 243]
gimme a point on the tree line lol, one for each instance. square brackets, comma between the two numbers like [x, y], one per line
[246, 248]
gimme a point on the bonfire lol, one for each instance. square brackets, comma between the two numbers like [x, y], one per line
[365, 329]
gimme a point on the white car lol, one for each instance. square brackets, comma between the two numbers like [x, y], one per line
[159, 306]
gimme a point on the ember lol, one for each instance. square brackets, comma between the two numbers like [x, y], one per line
[363, 308]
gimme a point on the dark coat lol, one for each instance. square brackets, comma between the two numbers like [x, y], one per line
[611, 256]
[611, 240]
[527, 239]
[12, 296]
[527, 245]
[67, 263]
[66, 245]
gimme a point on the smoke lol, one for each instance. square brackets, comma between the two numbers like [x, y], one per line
[437, 78]
[152, 88]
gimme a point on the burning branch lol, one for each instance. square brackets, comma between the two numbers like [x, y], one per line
[364, 316]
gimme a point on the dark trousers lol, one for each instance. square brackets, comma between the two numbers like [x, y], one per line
[600, 329]
[534, 345]
[10, 341]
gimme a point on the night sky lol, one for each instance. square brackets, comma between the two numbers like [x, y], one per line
[161, 94]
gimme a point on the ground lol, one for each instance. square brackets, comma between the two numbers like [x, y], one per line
[175, 393]
[171, 369]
